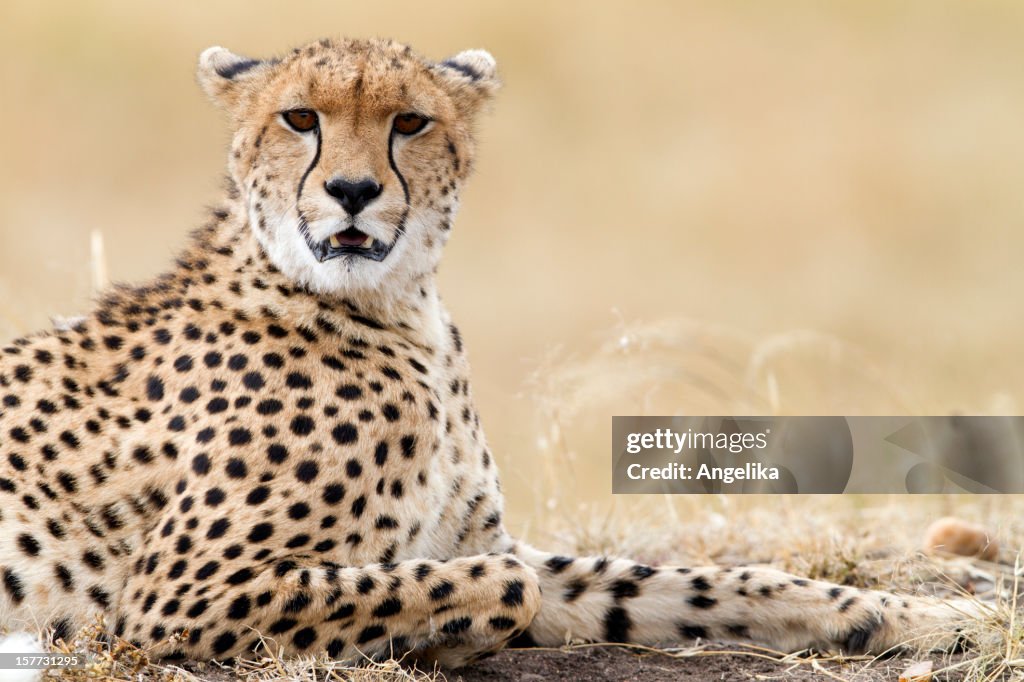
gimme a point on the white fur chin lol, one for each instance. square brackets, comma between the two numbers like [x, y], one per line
[345, 275]
[20, 643]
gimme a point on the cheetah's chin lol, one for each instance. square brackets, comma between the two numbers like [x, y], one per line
[350, 242]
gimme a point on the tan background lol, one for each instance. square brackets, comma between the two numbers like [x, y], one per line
[854, 169]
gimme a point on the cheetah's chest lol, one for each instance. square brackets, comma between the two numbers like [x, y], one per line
[339, 448]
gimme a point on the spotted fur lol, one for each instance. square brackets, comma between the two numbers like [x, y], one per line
[258, 444]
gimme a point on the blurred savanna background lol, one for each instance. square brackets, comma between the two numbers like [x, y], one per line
[710, 207]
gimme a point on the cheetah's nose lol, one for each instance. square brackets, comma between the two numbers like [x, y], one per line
[353, 196]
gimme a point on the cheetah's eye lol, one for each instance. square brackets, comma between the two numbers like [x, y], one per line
[410, 124]
[302, 120]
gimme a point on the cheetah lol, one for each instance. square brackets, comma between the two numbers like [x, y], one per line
[275, 443]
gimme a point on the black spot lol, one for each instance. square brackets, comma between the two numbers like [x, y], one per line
[269, 407]
[334, 493]
[302, 425]
[240, 576]
[63, 576]
[218, 528]
[345, 433]
[197, 609]
[282, 625]
[457, 625]
[207, 569]
[62, 629]
[67, 481]
[217, 405]
[617, 625]
[692, 631]
[93, 560]
[365, 584]
[557, 564]
[335, 647]
[385, 522]
[260, 532]
[28, 544]
[388, 607]
[349, 392]
[299, 510]
[343, 612]
[641, 572]
[257, 495]
[358, 506]
[239, 436]
[239, 608]
[69, 439]
[154, 388]
[445, 588]
[700, 584]
[298, 380]
[224, 641]
[501, 623]
[858, 638]
[201, 464]
[236, 468]
[298, 603]
[15, 588]
[370, 633]
[304, 638]
[277, 453]
[624, 589]
[142, 455]
[513, 595]
[701, 602]
[307, 470]
[739, 631]
[574, 589]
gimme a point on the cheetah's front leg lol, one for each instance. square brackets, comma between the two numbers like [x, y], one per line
[451, 612]
[616, 600]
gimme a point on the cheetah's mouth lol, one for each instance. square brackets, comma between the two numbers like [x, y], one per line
[351, 242]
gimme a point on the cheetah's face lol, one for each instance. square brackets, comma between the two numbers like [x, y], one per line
[350, 156]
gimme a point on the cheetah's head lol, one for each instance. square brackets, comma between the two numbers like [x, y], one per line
[350, 155]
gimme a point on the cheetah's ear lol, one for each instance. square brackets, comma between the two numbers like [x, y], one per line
[472, 76]
[225, 76]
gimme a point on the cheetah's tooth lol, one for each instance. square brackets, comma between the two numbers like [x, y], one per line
[334, 241]
[368, 243]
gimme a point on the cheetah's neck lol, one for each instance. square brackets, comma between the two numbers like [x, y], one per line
[244, 278]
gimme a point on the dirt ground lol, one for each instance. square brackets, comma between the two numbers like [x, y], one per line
[620, 664]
